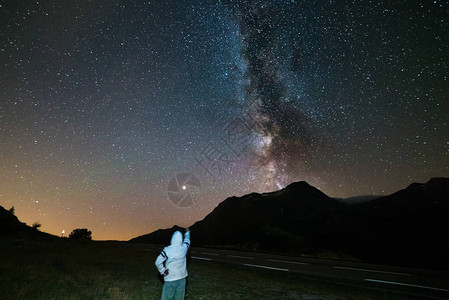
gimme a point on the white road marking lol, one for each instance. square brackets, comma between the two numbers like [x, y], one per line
[202, 258]
[288, 262]
[266, 267]
[407, 284]
[374, 271]
[236, 256]
[209, 253]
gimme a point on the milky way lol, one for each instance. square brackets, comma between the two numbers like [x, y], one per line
[113, 112]
[285, 139]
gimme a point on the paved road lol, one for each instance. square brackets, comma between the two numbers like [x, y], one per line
[430, 283]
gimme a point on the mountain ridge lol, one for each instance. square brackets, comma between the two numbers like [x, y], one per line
[403, 227]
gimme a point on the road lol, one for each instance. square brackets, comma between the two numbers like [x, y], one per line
[418, 282]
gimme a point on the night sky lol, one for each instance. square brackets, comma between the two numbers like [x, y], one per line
[124, 117]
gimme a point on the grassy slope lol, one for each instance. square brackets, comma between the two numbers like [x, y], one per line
[64, 269]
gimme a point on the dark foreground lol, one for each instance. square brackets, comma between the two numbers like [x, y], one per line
[66, 269]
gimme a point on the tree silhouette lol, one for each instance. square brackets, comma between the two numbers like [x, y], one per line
[81, 234]
[12, 210]
[36, 225]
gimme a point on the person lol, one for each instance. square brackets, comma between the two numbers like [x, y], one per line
[172, 264]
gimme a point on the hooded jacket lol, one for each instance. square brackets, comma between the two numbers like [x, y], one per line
[174, 257]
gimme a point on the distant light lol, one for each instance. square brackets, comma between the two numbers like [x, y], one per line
[184, 187]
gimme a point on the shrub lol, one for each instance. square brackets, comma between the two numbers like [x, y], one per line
[81, 234]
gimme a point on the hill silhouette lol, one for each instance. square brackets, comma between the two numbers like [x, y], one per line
[11, 227]
[408, 227]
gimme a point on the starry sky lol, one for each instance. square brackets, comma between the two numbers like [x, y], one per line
[124, 117]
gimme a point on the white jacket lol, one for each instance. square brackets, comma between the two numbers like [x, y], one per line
[174, 257]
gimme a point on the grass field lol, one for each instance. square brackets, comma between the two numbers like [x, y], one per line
[66, 269]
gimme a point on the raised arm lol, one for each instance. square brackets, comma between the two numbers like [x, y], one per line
[187, 238]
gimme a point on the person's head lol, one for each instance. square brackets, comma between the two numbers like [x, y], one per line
[176, 239]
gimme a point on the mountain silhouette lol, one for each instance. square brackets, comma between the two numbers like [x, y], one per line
[266, 218]
[283, 215]
[411, 225]
[408, 227]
